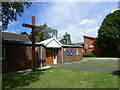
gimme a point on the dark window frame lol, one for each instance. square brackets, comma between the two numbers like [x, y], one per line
[3, 51]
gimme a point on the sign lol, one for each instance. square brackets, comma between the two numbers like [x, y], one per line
[69, 52]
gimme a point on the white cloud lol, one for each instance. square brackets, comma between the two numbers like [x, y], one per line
[92, 31]
[1, 23]
[11, 24]
[84, 27]
[76, 18]
[74, 0]
[69, 17]
[13, 31]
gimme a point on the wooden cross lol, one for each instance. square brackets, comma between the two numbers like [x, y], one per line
[33, 40]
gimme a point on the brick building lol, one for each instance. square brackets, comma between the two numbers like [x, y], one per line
[17, 52]
[53, 52]
[89, 46]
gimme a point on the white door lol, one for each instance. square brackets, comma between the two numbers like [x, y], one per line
[55, 56]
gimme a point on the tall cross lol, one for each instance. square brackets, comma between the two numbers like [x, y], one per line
[33, 40]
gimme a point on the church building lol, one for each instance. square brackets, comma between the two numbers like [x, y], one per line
[17, 52]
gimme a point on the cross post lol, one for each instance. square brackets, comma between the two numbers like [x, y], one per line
[33, 40]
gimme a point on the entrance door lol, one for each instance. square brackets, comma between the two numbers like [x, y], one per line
[55, 56]
[49, 57]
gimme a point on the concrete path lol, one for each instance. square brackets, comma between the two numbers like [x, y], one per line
[85, 67]
[104, 61]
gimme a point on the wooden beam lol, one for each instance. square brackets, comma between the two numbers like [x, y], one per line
[33, 41]
[32, 26]
[33, 46]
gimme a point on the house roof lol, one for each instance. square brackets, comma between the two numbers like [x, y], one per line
[52, 42]
[89, 37]
[15, 37]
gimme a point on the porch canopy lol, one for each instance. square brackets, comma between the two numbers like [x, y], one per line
[51, 43]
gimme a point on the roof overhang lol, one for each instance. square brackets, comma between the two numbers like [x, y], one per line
[72, 46]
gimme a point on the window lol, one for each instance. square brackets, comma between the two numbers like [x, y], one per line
[86, 47]
[77, 51]
[91, 47]
[3, 52]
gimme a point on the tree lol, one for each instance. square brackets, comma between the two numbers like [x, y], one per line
[10, 10]
[24, 33]
[108, 39]
[66, 39]
[47, 33]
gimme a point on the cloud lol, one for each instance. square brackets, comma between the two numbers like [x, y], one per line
[83, 27]
[13, 31]
[74, 0]
[69, 17]
[12, 24]
[1, 23]
[78, 19]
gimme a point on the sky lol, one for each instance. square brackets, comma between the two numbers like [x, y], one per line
[76, 18]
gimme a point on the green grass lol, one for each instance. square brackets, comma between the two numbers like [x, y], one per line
[97, 64]
[61, 78]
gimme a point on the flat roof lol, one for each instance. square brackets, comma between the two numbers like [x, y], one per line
[19, 42]
[89, 37]
[72, 46]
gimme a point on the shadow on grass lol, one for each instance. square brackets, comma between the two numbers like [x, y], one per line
[117, 72]
[20, 80]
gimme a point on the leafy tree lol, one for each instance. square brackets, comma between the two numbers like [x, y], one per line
[10, 10]
[66, 39]
[24, 33]
[109, 35]
[47, 33]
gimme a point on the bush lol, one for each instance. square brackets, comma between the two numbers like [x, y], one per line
[88, 55]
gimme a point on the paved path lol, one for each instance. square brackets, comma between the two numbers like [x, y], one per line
[85, 67]
[104, 61]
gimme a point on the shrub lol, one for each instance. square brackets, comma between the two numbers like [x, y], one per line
[88, 55]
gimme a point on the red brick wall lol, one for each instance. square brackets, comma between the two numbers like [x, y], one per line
[44, 55]
[74, 57]
[18, 57]
[90, 42]
[66, 58]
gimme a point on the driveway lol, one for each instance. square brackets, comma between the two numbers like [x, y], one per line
[90, 68]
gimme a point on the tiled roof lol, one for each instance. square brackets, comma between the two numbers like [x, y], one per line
[52, 42]
[15, 37]
[45, 42]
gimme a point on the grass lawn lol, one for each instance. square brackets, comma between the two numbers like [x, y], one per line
[97, 64]
[61, 78]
